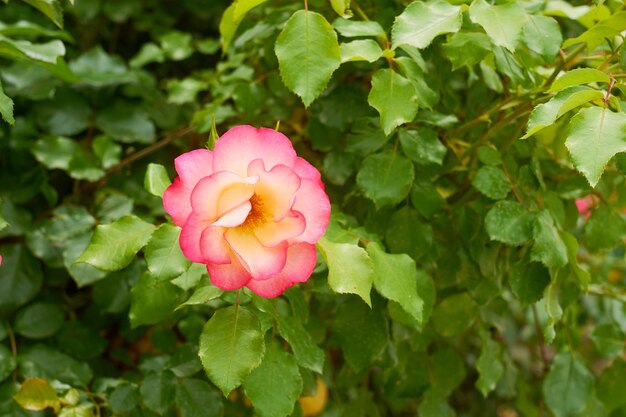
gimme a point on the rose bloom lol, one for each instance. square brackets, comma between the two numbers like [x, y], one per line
[251, 210]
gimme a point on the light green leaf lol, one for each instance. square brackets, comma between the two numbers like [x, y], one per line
[422, 145]
[489, 364]
[176, 45]
[362, 333]
[395, 279]
[567, 386]
[579, 76]
[608, 339]
[545, 114]
[202, 295]
[425, 95]
[358, 28]
[153, 300]
[163, 254]
[467, 49]
[503, 23]
[45, 53]
[55, 152]
[421, 22]
[552, 308]
[308, 354]
[610, 385]
[114, 245]
[542, 34]
[275, 385]
[6, 107]
[595, 136]
[360, 50]
[98, 68]
[434, 404]
[242, 7]
[509, 223]
[231, 347]
[37, 394]
[548, 248]
[394, 97]
[572, 255]
[342, 8]
[598, 33]
[492, 182]
[51, 8]
[228, 26]
[350, 269]
[386, 178]
[308, 54]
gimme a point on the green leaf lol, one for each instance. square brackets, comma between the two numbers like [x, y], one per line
[492, 182]
[503, 23]
[422, 145]
[360, 50]
[176, 45]
[406, 233]
[51, 8]
[454, 315]
[434, 404]
[39, 320]
[99, 69]
[542, 35]
[350, 269]
[157, 391]
[608, 339]
[552, 308]
[37, 394]
[231, 347]
[425, 95]
[421, 22]
[163, 254]
[308, 54]
[6, 107]
[447, 371]
[425, 198]
[275, 385]
[20, 277]
[528, 281]
[362, 333]
[126, 123]
[595, 136]
[610, 386]
[567, 386]
[509, 223]
[572, 256]
[358, 28]
[489, 155]
[386, 178]
[467, 49]
[604, 230]
[153, 300]
[579, 76]
[307, 353]
[341, 7]
[597, 34]
[195, 397]
[55, 152]
[44, 362]
[244, 6]
[232, 18]
[394, 97]
[7, 362]
[394, 279]
[107, 151]
[489, 364]
[569, 98]
[202, 295]
[548, 248]
[114, 245]
[156, 180]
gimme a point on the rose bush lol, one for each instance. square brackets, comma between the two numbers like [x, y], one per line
[251, 210]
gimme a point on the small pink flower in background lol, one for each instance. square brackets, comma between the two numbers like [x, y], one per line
[585, 205]
[251, 210]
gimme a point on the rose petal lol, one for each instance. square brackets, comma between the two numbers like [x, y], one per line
[276, 188]
[194, 165]
[262, 262]
[229, 276]
[313, 203]
[176, 201]
[235, 216]
[213, 246]
[301, 258]
[273, 233]
[220, 193]
[190, 237]
[242, 144]
[305, 170]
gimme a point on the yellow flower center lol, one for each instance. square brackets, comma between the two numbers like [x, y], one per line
[257, 215]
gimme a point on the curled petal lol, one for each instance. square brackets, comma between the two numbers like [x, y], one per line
[273, 233]
[301, 258]
[305, 170]
[213, 247]
[228, 276]
[195, 165]
[313, 203]
[235, 216]
[260, 261]
[276, 188]
[190, 238]
[242, 144]
[220, 193]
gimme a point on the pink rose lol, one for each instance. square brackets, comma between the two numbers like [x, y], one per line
[585, 205]
[251, 210]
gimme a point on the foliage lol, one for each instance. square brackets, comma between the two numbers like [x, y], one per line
[457, 276]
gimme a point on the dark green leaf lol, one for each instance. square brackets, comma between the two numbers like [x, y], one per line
[489, 364]
[20, 277]
[492, 182]
[406, 233]
[157, 391]
[567, 386]
[307, 354]
[548, 247]
[44, 362]
[422, 146]
[153, 300]
[528, 281]
[386, 178]
[610, 386]
[467, 49]
[509, 223]
[39, 320]
[195, 397]
[454, 315]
